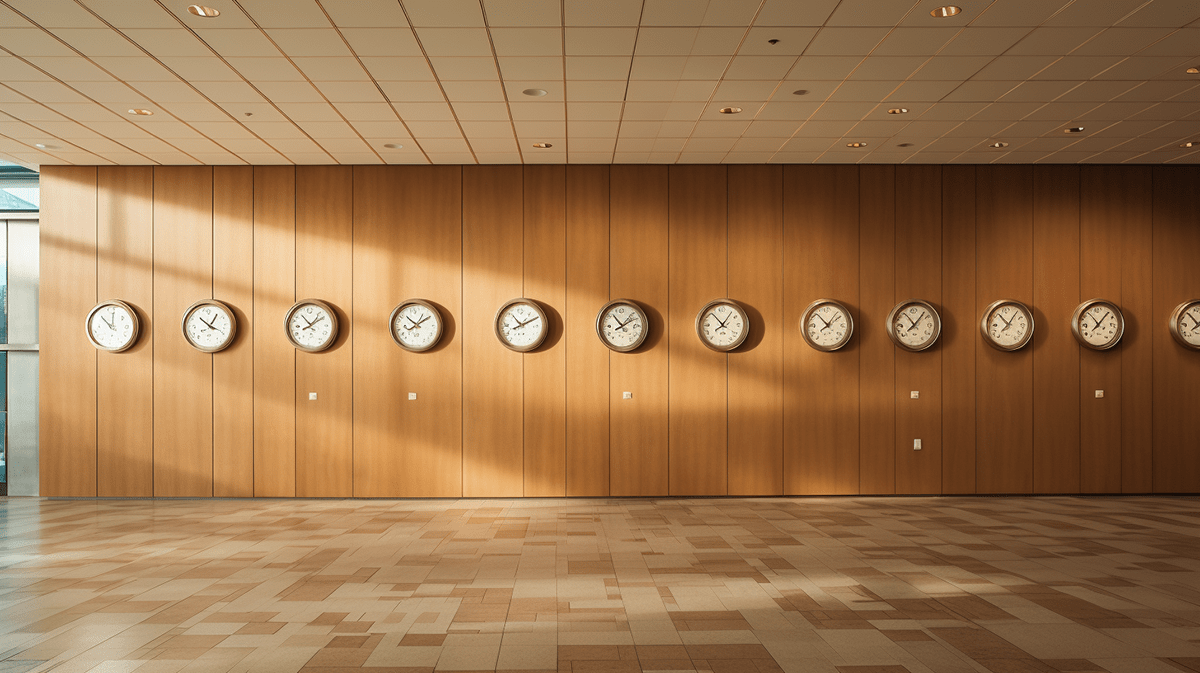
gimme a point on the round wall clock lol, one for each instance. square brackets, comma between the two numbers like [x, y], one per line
[1098, 324]
[209, 325]
[416, 325]
[1185, 324]
[722, 325]
[914, 325]
[311, 325]
[521, 325]
[113, 326]
[1007, 325]
[826, 325]
[622, 325]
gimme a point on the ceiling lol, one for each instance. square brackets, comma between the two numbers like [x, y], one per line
[626, 81]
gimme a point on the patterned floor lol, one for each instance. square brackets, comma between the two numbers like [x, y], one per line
[892, 585]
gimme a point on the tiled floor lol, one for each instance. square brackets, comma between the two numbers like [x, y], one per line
[581, 586]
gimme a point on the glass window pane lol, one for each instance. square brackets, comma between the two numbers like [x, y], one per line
[3, 448]
[3, 381]
[3, 285]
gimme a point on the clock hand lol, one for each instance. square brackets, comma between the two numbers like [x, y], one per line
[714, 315]
[915, 322]
[827, 323]
[1102, 319]
[416, 324]
[110, 325]
[310, 325]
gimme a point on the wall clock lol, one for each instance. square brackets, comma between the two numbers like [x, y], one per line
[1098, 324]
[914, 325]
[521, 325]
[826, 325]
[722, 325]
[416, 325]
[1185, 324]
[1007, 325]
[209, 325]
[311, 325]
[113, 326]
[622, 325]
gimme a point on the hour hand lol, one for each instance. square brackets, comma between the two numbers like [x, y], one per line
[916, 322]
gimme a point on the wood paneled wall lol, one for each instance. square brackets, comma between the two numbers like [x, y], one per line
[773, 418]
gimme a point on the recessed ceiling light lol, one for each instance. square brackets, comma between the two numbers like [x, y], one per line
[999, 145]
[730, 110]
[201, 10]
[898, 111]
[393, 146]
[856, 145]
[1194, 143]
[534, 92]
[543, 146]
[1193, 71]
[800, 92]
[772, 41]
[43, 146]
[248, 114]
[140, 112]
[905, 145]
[1074, 129]
[943, 12]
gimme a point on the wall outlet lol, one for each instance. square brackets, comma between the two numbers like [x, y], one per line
[312, 397]
[1099, 394]
[916, 445]
[627, 395]
[916, 395]
[412, 396]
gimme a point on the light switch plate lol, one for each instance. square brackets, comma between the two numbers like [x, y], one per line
[1099, 394]
[412, 396]
[916, 445]
[312, 397]
[916, 395]
[627, 396]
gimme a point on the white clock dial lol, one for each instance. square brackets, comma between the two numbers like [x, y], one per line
[209, 326]
[311, 325]
[722, 325]
[1185, 324]
[826, 325]
[914, 325]
[1007, 325]
[113, 326]
[416, 325]
[622, 325]
[1098, 324]
[521, 325]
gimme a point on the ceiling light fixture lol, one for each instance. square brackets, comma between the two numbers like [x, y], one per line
[898, 111]
[543, 146]
[998, 145]
[393, 146]
[1186, 146]
[534, 92]
[772, 41]
[856, 145]
[1193, 71]
[730, 110]
[140, 112]
[943, 12]
[905, 145]
[800, 92]
[202, 11]
[43, 146]
[1074, 129]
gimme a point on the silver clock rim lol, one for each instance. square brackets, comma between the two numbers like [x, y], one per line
[1173, 324]
[600, 322]
[804, 323]
[937, 325]
[1085, 307]
[415, 302]
[541, 337]
[987, 314]
[333, 322]
[232, 325]
[739, 341]
[137, 325]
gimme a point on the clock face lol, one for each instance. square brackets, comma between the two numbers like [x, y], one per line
[722, 325]
[826, 325]
[521, 325]
[209, 326]
[622, 325]
[914, 325]
[1007, 325]
[1098, 324]
[311, 325]
[416, 325]
[1185, 324]
[113, 326]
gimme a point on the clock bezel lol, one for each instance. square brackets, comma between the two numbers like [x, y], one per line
[218, 304]
[804, 317]
[600, 325]
[333, 323]
[1087, 306]
[745, 330]
[427, 306]
[1173, 324]
[541, 337]
[133, 338]
[987, 314]
[898, 309]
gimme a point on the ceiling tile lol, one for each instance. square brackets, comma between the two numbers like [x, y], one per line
[951, 67]
[792, 40]
[285, 13]
[266, 69]
[915, 41]
[598, 67]
[33, 42]
[787, 111]
[515, 89]
[795, 12]
[365, 13]
[140, 69]
[56, 14]
[97, 41]
[332, 69]
[413, 91]
[746, 89]
[523, 12]
[586, 41]
[350, 92]
[729, 13]
[771, 129]
[873, 91]
[488, 129]
[366, 112]
[977, 41]
[1077, 68]
[309, 41]
[596, 90]
[473, 91]
[1019, 12]
[229, 92]
[527, 41]
[869, 13]
[170, 92]
[70, 69]
[238, 42]
[981, 91]
[420, 111]
[1014, 67]
[759, 67]
[1165, 13]
[607, 13]
[594, 128]
[444, 13]
[489, 145]
[1053, 40]
[594, 111]
[463, 67]
[400, 68]
[888, 67]
[846, 41]
[824, 68]
[289, 92]
[531, 67]
[535, 111]
[923, 91]
[393, 41]
[1179, 43]
[209, 69]
[673, 12]
[1141, 68]
[665, 41]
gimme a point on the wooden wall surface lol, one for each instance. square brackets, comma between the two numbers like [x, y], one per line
[773, 418]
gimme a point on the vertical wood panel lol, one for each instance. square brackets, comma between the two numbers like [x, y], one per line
[1135, 210]
[125, 381]
[67, 360]
[587, 390]
[492, 374]
[183, 385]
[233, 368]
[698, 382]
[274, 355]
[638, 271]
[407, 244]
[960, 329]
[756, 369]
[919, 276]
[1004, 384]
[324, 262]
[1056, 366]
[545, 370]
[877, 295]
[821, 257]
